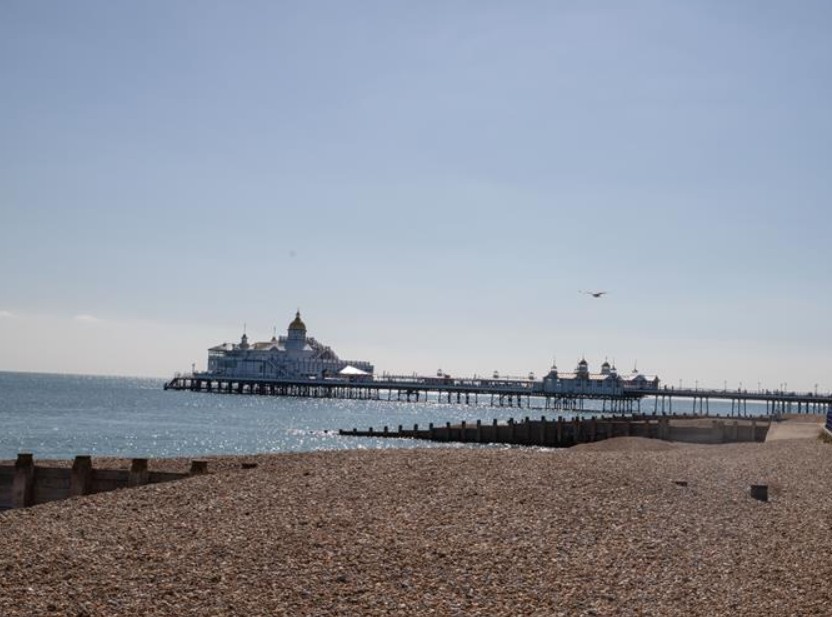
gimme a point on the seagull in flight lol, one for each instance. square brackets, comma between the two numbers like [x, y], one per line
[594, 294]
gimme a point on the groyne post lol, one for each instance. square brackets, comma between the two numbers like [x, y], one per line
[80, 478]
[759, 492]
[139, 473]
[664, 428]
[23, 483]
[718, 431]
[198, 468]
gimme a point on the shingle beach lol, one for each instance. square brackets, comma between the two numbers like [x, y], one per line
[602, 529]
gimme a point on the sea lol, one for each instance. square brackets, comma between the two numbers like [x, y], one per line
[61, 416]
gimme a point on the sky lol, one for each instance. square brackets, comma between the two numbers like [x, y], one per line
[431, 183]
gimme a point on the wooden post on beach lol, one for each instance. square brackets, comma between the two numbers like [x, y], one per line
[559, 434]
[664, 428]
[139, 473]
[542, 430]
[462, 430]
[198, 468]
[479, 431]
[717, 431]
[759, 492]
[80, 479]
[23, 483]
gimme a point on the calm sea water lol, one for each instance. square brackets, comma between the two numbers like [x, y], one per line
[60, 416]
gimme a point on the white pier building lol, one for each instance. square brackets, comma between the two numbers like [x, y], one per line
[606, 383]
[294, 356]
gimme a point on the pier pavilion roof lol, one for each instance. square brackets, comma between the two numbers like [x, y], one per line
[586, 376]
[297, 323]
[223, 347]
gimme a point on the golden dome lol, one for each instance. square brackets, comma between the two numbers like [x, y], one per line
[297, 324]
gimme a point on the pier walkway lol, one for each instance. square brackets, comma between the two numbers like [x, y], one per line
[508, 393]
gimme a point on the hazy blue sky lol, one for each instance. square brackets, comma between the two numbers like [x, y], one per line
[432, 183]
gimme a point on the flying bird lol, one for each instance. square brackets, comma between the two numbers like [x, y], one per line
[594, 294]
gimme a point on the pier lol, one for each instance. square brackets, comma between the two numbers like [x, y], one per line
[518, 393]
[493, 392]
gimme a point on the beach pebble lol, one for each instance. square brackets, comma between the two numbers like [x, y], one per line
[596, 530]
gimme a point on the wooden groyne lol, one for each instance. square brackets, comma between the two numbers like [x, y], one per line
[563, 433]
[25, 484]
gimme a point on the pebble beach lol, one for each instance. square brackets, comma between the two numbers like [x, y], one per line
[623, 527]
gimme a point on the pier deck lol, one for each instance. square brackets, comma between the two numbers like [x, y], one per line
[506, 393]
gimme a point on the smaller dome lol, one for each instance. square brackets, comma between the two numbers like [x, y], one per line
[605, 364]
[582, 362]
[297, 323]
